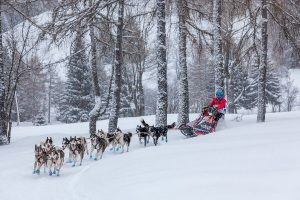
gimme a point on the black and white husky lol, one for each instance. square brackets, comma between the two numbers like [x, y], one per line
[143, 132]
[98, 142]
[157, 132]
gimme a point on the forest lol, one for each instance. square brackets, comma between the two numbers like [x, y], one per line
[68, 61]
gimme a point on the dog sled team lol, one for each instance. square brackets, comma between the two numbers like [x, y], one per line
[51, 157]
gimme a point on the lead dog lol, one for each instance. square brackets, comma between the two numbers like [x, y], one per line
[41, 158]
[56, 160]
[77, 148]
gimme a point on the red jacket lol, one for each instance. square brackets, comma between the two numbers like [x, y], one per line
[221, 104]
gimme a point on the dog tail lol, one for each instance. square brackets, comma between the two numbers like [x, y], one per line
[171, 125]
[144, 123]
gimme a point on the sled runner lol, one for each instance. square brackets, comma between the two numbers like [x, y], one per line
[203, 125]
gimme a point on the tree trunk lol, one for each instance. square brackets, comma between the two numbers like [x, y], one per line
[263, 64]
[115, 105]
[141, 96]
[217, 45]
[162, 96]
[183, 105]
[95, 113]
[17, 109]
[49, 96]
[3, 120]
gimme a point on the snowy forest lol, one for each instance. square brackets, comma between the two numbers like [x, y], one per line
[68, 61]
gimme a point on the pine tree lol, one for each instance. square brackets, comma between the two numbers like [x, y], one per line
[272, 88]
[237, 83]
[78, 97]
[162, 96]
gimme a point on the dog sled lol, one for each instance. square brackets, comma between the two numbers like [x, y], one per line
[203, 125]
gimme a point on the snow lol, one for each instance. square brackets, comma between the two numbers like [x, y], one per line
[242, 160]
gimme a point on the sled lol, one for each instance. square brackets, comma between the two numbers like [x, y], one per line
[203, 125]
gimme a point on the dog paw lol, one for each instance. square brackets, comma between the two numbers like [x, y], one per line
[91, 157]
[95, 158]
[73, 165]
[50, 173]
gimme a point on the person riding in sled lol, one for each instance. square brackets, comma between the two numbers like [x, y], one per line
[219, 102]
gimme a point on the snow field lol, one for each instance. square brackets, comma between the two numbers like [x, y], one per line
[242, 160]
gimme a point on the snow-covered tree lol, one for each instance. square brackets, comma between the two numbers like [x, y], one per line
[3, 118]
[116, 93]
[272, 88]
[217, 44]
[78, 92]
[261, 104]
[162, 83]
[183, 90]
[290, 94]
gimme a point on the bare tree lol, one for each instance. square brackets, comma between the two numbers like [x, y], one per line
[263, 64]
[183, 109]
[115, 104]
[217, 45]
[162, 83]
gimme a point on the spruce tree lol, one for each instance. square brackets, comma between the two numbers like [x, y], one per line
[272, 90]
[78, 97]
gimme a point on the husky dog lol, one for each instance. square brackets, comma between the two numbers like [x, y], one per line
[66, 144]
[56, 160]
[48, 144]
[41, 159]
[143, 132]
[122, 139]
[77, 147]
[82, 140]
[127, 139]
[99, 143]
[157, 132]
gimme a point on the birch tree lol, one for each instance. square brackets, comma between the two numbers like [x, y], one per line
[183, 109]
[162, 83]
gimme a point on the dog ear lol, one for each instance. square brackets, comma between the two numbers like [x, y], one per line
[35, 147]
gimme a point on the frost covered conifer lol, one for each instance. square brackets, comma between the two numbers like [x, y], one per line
[78, 97]
[272, 88]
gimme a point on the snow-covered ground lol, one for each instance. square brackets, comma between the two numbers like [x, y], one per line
[242, 160]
